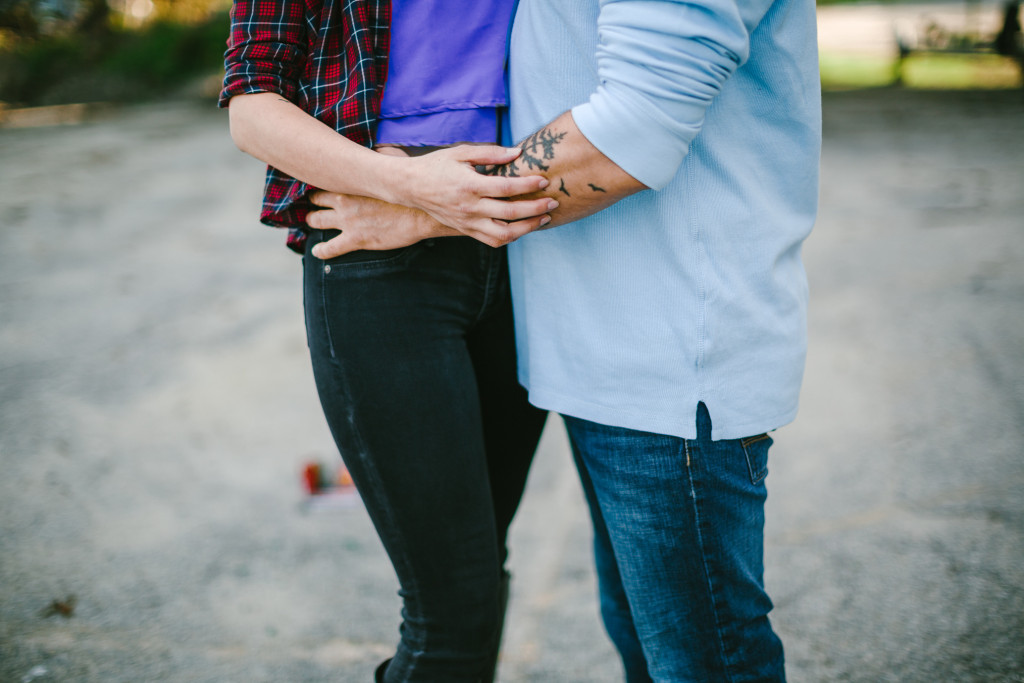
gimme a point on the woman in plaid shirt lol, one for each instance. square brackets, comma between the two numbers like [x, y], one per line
[412, 348]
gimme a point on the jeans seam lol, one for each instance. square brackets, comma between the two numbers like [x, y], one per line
[491, 274]
[325, 311]
[699, 526]
[384, 508]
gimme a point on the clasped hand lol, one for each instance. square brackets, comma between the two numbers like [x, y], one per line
[437, 194]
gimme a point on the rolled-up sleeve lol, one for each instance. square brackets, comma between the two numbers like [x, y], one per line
[660, 65]
[266, 48]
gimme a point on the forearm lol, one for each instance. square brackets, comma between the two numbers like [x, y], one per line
[276, 131]
[581, 178]
[443, 183]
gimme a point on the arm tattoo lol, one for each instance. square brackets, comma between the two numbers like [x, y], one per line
[562, 188]
[595, 188]
[540, 147]
[537, 149]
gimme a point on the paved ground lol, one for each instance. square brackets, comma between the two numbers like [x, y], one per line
[156, 405]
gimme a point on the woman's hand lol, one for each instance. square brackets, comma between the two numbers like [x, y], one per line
[445, 185]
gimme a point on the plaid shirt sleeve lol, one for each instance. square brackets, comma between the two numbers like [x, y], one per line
[266, 48]
[329, 57]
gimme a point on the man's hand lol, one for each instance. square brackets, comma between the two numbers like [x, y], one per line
[375, 225]
[367, 224]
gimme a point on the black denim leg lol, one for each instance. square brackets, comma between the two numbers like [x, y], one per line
[415, 368]
[511, 425]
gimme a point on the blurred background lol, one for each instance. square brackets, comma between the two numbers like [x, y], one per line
[73, 51]
[158, 416]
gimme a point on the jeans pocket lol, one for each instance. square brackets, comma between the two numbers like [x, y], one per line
[362, 258]
[366, 259]
[755, 448]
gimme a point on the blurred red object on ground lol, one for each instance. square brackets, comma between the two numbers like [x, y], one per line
[328, 489]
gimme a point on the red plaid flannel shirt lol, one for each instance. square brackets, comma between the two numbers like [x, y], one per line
[327, 56]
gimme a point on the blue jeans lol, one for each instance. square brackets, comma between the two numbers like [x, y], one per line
[414, 359]
[678, 543]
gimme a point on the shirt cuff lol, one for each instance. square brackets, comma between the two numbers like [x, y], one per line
[632, 138]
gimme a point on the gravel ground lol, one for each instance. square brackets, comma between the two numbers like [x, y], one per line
[156, 406]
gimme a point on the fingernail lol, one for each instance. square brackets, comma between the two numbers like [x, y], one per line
[552, 204]
[544, 221]
[317, 251]
[544, 182]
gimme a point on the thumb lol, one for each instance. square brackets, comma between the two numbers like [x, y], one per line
[336, 246]
[320, 251]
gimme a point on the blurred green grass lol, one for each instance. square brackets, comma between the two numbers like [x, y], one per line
[924, 71]
[121, 66]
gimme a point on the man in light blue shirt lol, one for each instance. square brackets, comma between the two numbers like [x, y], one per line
[694, 292]
[669, 328]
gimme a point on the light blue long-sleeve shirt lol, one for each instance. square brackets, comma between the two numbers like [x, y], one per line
[695, 290]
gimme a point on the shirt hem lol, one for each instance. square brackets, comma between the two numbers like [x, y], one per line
[446, 107]
[683, 427]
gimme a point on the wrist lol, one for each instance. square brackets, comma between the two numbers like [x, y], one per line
[395, 183]
[428, 227]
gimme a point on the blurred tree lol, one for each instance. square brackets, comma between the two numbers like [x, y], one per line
[93, 18]
[1008, 42]
[20, 17]
[32, 19]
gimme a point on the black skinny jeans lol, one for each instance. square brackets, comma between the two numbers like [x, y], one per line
[414, 359]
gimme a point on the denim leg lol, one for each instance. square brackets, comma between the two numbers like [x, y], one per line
[511, 426]
[686, 522]
[398, 385]
[615, 612]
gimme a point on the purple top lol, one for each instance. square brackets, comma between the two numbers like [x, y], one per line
[445, 72]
